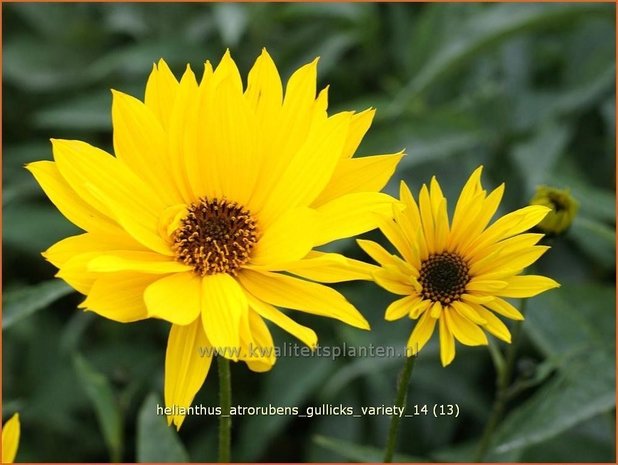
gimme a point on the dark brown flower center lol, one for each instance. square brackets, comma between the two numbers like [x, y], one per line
[443, 277]
[216, 236]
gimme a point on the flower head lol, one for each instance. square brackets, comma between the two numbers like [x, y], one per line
[563, 209]
[10, 439]
[208, 213]
[457, 274]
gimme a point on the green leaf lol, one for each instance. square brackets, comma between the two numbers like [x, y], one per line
[583, 390]
[308, 374]
[487, 29]
[358, 453]
[101, 395]
[157, 442]
[596, 239]
[22, 302]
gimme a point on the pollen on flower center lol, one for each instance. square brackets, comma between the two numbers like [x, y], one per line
[216, 236]
[443, 277]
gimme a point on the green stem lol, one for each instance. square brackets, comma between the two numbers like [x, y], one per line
[402, 392]
[503, 382]
[225, 401]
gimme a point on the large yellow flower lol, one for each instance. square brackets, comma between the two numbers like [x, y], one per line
[457, 275]
[213, 192]
[10, 439]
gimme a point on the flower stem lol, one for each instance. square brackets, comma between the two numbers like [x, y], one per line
[504, 374]
[402, 392]
[225, 402]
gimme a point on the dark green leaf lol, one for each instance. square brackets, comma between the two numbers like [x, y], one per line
[106, 407]
[22, 302]
[157, 442]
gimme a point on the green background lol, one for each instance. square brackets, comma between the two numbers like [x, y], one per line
[525, 89]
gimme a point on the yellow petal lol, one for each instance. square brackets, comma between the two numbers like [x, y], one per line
[493, 324]
[146, 262]
[401, 307]
[436, 310]
[106, 183]
[161, 90]
[527, 286]
[175, 298]
[396, 286]
[421, 333]
[377, 252]
[10, 439]
[358, 128]
[395, 236]
[426, 212]
[365, 174]
[264, 88]
[187, 361]
[258, 350]
[141, 142]
[468, 312]
[485, 286]
[288, 239]
[331, 268]
[119, 296]
[464, 330]
[352, 214]
[76, 210]
[289, 292]
[223, 305]
[438, 205]
[306, 335]
[447, 343]
[418, 308]
[502, 307]
[309, 169]
[68, 248]
[182, 144]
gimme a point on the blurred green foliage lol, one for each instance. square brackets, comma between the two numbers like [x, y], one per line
[525, 89]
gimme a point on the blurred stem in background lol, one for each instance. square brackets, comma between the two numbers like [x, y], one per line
[225, 401]
[402, 394]
[504, 372]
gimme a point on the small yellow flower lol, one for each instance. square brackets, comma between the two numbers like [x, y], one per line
[456, 275]
[209, 211]
[10, 439]
[563, 209]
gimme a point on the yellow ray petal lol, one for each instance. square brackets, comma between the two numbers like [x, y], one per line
[468, 312]
[306, 335]
[401, 307]
[464, 330]
[175, 298]
[259, 349]
[440, 215]
[187, 361]
[395, 236]
[485, 286]
[161, 90]
[418, 308]
[366, 174]
[513, 261]
[223, 305]
[426, 212]
[145, 262]
[106, 183]
[182, 142]
[141, 142]
[10, 439]
[68, 248]
[504, 308]
[387, 281]
[288, 239]
[377, 252]
[527, 286]
[264, 89]
[447, 343]
[352, 214]
[76, 210]
[119, 296]
[358, 128]
[493, 324]
[289, 292]
[330, 268]
[309, 169]
[421, 333]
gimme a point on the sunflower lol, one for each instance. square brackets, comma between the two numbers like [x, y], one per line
[208, 213]
[457, 275]
[10, 439]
